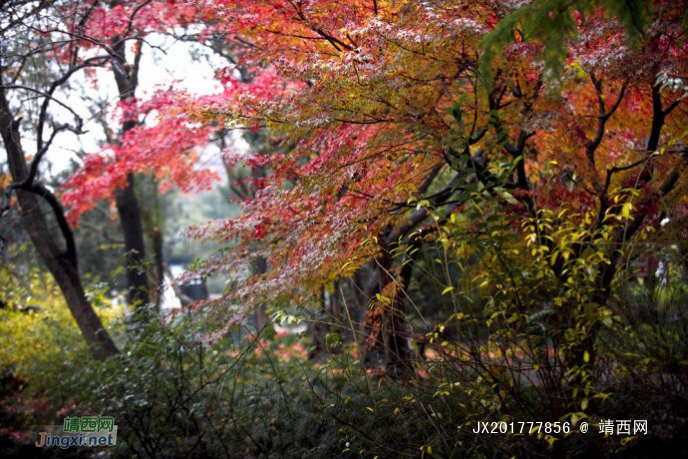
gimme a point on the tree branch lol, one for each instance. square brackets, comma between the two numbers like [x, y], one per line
[58, 211]
[591, 145]
[96, 61]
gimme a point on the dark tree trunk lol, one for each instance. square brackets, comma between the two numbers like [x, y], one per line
[387, 343]
[132, 228]
[329, 319]
[126, 77]
[260, 266]
[318, 328]
[385, 328]
[159, 271]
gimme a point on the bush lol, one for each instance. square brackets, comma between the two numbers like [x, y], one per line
[41, 341]
[41, 347]
[173, 395]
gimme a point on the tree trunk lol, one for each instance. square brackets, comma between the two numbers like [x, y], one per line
[158, 278]
[126, 77]
[132, 227]
[386, 327]
[318, 328]
[260, 266]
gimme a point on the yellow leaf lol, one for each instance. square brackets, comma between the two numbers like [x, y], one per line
[626, 211]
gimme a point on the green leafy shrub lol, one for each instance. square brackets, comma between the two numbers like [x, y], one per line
[172, 394]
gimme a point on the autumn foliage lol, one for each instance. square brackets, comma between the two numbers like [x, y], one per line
[498, 183]
[169, 150]
[368, 99]
[385, 115]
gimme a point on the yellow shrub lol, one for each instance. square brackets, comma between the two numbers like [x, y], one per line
[42, 345]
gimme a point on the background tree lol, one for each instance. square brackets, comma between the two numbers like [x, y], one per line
[66, 42]
[57, 249]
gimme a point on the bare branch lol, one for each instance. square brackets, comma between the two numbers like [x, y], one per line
[43, 94]
[616, 169]
[591, 145]
[102, 231]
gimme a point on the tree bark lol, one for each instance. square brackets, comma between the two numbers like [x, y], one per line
[132, 227]
[260, 266]
[159, 271]
[386, 325]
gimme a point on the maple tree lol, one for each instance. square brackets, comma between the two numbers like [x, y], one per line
[111, 26]
[389, 123]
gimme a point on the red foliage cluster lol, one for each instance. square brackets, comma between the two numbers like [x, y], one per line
[168, 150]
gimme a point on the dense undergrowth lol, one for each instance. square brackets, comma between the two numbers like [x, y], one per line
[172, 395]
[515, 349]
